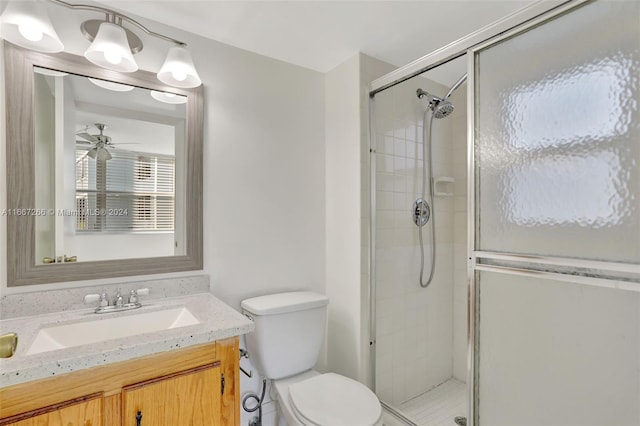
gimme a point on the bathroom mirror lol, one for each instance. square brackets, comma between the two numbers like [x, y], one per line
[104, 171]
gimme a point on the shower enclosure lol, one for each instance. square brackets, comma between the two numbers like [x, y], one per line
[533, 313]
[420, 262]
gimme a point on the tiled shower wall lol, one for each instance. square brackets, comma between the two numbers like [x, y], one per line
[415, 326]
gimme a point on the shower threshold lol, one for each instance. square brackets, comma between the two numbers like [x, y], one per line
[444, 405]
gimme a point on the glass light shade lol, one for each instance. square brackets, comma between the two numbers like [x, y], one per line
[110, 85]
[178, 69]
[168, 98]
[27, 24]
[103, 154]
[110, 49]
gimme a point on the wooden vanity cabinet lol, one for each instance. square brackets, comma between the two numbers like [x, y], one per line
[84, 413]
[184, 399]
[196, 386]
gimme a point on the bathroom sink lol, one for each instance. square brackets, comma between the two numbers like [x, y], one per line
[101, 329]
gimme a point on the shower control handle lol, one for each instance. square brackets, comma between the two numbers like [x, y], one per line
[421, 212]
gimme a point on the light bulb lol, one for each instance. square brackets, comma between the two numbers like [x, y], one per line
[112, 56]
[178, 69]
[179, 74]
[170, 95]
[31, 32]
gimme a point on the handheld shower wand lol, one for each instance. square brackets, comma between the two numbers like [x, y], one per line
[423, 210]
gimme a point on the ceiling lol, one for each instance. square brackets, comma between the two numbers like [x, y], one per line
[321, 34]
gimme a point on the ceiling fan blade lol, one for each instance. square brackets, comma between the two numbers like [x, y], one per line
[87, 136]
[83, 143]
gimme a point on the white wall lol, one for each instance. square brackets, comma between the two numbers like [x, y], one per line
[342, 156]
[264, 175]
[347, 213]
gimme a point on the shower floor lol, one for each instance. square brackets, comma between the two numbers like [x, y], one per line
[439, 406]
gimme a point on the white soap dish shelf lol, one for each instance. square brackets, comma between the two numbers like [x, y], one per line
[443, 186]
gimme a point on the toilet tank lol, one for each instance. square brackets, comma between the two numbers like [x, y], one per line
[289, 332]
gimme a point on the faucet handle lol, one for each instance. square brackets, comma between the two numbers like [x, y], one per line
[133, 295]
[104, 301]
[102, 298]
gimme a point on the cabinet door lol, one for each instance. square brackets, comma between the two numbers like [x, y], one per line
[87, 413]
[190, 398]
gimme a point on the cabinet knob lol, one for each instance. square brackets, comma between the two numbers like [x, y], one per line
[139, 418]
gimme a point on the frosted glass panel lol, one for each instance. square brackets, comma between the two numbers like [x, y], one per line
[557, 353]
[558, 139]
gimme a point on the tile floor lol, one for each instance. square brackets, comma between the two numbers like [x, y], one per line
[439, 406]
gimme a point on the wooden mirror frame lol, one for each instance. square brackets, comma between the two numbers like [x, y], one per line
[21, 262]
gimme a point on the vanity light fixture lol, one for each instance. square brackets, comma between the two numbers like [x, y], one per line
[27, 24]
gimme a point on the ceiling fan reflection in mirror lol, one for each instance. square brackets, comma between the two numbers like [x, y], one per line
[99, 143]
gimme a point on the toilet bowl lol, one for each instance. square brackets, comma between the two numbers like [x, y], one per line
[314, 399]
[286, 342]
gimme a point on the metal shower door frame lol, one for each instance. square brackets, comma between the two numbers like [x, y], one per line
[510, 26]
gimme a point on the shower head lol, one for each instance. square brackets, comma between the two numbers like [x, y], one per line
[442, 109]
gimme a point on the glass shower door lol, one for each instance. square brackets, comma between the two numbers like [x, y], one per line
[556, 241]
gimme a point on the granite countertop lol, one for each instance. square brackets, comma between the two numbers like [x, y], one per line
[217, 321]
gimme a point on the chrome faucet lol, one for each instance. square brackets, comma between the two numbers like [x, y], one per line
[118, 301]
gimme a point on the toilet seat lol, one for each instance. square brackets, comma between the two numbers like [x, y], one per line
[331, 399]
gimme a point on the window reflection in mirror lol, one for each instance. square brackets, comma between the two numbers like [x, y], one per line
[109, 161]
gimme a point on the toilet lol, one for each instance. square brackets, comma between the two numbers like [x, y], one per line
[288, 336]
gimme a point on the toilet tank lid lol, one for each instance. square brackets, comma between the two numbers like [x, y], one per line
[281, 303]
